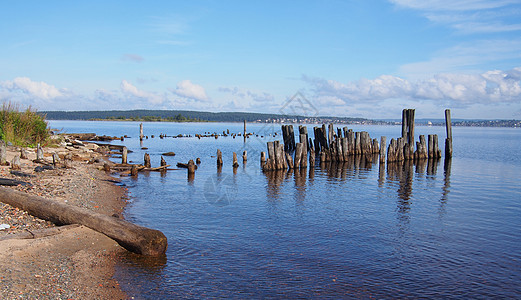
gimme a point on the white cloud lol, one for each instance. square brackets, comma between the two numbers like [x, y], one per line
[457, 89]
[261, 97]
[465, 56]
[131, 91]
[31, 88]
[189, 90]
[469, 16]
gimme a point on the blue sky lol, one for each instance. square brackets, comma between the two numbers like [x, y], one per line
[359, 58]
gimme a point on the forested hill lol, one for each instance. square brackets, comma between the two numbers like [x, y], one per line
[167, 115]
[178, 115]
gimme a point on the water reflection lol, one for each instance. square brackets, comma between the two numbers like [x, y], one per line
[399, 175]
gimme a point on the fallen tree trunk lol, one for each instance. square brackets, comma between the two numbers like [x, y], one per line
[130, 236]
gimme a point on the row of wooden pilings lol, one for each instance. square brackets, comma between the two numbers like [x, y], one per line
[331, 146]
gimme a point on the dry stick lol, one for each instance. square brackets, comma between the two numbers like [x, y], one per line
[132, 237]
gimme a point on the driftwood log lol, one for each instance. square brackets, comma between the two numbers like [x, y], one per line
[130, 236]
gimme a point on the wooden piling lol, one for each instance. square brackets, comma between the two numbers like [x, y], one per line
[235, 163]
[147, 161]
[219, 158]
[383, 145]
[124, 153]
[448, 140]
[163, 162]
[134, 171]
[141, 131]
[191, 167]
[298, 155]
[244, 156]
[263, 158]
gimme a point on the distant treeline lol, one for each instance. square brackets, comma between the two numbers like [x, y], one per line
[159, 115]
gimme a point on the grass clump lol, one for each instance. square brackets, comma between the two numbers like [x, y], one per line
[22, 128]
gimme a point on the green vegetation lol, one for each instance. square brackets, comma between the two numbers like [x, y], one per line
[177, 118]
[22, 128]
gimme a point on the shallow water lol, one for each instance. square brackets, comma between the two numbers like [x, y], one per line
[445, 229]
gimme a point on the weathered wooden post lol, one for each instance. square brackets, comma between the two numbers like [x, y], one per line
[235, 163]
[289, 161]
[198, 161]
[191, 167]
[244, 134]
[39, 153]
[163, 162]
[23, 154]
[124, 153]
[3, 152]
[141, 131]
[15, 163]
[219, 158]
[298, 155]
[244, 156]
[383, 144]
[263, 158]
[147, 161]
[448, 140]
[134, 171]
[55, 160]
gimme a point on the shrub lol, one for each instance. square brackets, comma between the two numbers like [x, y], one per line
[26, 128]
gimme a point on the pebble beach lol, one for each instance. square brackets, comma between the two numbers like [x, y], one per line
[39, 260]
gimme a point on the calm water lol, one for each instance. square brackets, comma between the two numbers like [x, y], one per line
[337, 231]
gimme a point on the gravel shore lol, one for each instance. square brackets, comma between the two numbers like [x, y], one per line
[39, 260]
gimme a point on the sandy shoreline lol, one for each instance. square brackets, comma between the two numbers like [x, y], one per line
[72, 262]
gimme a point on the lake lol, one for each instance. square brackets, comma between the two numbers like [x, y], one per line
[354, 230]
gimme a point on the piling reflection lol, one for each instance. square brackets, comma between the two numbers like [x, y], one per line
[393, 174]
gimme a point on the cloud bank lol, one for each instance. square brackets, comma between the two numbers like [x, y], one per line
[458, 89]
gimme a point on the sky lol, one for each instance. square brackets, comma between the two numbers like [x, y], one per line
[352, 58]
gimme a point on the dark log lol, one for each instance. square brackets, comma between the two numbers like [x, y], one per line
[132, 237]
[12, 182]
[168, 154]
